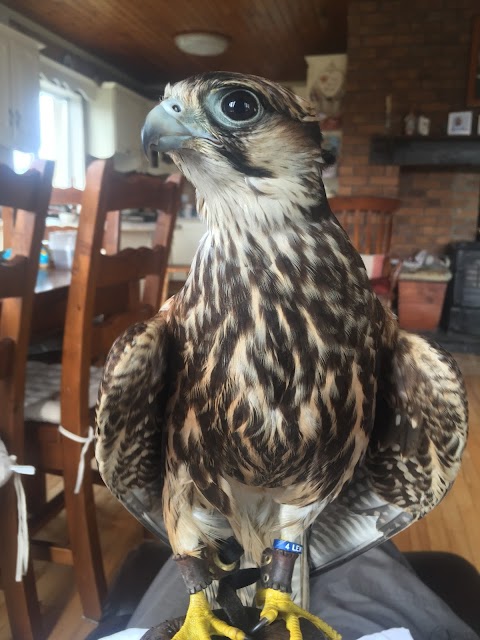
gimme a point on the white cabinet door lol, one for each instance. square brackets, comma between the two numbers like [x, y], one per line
[131, 112]
[19, 93]
[122, 113]
[135, 236]
[186, 238]
[101, 125]
[116, 121]
[6, 111]
[24, 64]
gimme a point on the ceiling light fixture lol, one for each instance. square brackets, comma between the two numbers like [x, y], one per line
[202, 43]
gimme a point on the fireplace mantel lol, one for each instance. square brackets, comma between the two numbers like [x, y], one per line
[403, 151]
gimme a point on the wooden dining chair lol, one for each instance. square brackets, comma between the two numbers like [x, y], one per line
[64, 396]
[72, 196]
[368, 222]
[24, 200]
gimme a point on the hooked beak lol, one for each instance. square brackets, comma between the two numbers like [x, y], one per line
[164, 130]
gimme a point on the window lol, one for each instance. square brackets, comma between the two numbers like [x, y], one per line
[62, 136]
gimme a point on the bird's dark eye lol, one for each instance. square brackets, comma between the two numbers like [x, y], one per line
[240, 105]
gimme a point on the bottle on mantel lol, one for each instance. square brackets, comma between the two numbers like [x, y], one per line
[410, 123]
[423, 125]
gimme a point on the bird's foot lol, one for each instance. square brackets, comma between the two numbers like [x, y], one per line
[278, 604]
[201, 624]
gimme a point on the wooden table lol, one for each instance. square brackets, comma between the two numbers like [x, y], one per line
[49, 280]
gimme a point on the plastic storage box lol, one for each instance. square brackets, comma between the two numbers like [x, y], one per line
[62, 248]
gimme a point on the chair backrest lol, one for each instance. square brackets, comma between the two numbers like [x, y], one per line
[367, 221]
[24, 201]
[66, 197]
[110, 284]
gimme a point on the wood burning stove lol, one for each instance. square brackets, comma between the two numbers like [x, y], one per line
[461, 311]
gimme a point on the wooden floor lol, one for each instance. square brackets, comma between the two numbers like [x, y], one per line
[452, 526]
[60, 604]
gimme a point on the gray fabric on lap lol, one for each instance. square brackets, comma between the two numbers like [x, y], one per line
[376, 591]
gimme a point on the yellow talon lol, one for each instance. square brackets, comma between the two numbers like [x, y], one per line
[200, 623]
[275, 604]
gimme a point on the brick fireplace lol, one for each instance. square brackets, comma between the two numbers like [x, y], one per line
[418, 53]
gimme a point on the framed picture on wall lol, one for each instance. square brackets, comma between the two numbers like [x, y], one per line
[459, 123]
[473, 85]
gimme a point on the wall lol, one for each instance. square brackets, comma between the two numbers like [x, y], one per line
[417, 52]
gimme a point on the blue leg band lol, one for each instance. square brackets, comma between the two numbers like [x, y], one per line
[283, 545]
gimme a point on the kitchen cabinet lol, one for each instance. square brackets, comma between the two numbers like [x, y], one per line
[136, 234]
[116, 119]
[186, 238]
[20, 87]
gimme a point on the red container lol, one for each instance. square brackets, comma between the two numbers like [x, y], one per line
[420, 304]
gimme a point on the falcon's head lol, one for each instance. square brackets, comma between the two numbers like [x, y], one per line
[229, 131]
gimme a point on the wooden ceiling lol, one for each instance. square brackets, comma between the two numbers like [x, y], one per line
[267, 37]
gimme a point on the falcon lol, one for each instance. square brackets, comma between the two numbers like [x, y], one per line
[273, 400]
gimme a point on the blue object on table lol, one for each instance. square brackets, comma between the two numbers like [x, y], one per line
[44, 259]
[43, 262]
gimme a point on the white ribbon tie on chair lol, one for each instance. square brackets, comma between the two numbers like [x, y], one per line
[86, 443]
[8, 467]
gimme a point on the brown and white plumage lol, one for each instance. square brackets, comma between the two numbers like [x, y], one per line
[274, 391]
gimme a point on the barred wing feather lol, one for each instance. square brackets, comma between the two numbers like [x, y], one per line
[130, 421]
[356, 521]
[413, 458]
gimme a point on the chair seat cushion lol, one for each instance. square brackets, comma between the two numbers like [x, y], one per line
[373, 264]
[42, 391]
[381, 286]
